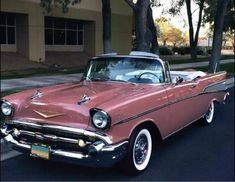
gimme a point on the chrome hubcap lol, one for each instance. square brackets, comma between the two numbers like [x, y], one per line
[141, 149]
[209, 113]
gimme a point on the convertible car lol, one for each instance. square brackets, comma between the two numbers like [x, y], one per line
[113, 114]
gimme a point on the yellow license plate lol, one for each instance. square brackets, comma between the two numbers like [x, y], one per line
[40, 151]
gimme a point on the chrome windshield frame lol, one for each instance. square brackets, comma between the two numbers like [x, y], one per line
[157, 59]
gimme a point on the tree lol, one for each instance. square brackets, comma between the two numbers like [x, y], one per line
[145, 30]
[106, 14]
[210, 11]
[193, 35]
[151, 25]
[175, 36]
[164, 27]
[193, 40]
[218, 35]
[143, 34]
[168, 33]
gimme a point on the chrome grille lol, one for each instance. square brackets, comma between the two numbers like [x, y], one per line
[47, 136]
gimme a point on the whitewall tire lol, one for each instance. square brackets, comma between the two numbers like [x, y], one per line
[142, 149]
[208, 118]
[139, 152]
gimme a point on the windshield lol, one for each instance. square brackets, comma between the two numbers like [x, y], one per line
[125, 69]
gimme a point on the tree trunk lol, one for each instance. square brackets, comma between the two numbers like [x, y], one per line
[191, 30]
[193, 51]
[164, 42]
[106, 13]
[201, 5]
[218, 36]
[142, 35]
[151, 25]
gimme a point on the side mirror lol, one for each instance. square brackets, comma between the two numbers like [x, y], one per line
[179, 80]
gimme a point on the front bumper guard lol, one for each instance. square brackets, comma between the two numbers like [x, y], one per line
[106, 156]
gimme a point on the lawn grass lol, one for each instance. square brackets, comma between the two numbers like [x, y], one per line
[201, 59]
[38, 72]
[229, 68]
[8, 92]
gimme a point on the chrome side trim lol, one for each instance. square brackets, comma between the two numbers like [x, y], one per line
[183, 127]
[78, 131]
[215, 87]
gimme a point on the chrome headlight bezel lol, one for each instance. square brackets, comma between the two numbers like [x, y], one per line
[9, 105]
[97, 114]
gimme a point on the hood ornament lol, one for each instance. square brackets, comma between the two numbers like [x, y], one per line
[37, 94]
[84, 100]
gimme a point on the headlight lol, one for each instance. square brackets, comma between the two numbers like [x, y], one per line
[6, 108]
[100, 119]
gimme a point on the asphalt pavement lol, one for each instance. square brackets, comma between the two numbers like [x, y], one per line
[193, 154]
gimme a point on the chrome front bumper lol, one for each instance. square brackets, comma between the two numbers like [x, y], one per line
[104, 154]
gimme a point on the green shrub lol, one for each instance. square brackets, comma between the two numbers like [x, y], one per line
[164, 50]
[175, 49]
[187, 50]
[184, 50]
[201, 51]
[209, 51]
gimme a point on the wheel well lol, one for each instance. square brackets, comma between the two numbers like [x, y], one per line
[215, 101]
[155, 133]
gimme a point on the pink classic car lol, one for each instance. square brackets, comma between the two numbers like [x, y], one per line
[113, 114]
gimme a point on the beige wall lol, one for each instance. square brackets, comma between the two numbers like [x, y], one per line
[8, 48]
[31, 43]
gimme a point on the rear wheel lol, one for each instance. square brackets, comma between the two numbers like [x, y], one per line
[208, 118]
[139, 152]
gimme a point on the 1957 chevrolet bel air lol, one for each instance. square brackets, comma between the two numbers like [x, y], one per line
[114, 114]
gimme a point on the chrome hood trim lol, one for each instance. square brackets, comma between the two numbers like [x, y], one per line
[66, 129]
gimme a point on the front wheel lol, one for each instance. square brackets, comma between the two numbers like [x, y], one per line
[208, 118]
[139, 152]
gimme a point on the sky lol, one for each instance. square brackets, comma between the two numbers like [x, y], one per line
[180, 21]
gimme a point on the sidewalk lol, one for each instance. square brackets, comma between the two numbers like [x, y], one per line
[199, 64]
[34, 82]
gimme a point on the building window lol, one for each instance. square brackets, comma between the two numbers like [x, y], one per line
[7, 28]
[60, 31]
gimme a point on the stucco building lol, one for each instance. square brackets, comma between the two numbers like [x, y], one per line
[27, 29]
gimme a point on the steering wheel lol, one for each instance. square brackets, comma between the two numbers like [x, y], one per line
[149, 73]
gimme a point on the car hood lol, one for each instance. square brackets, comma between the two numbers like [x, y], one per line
[61, 104]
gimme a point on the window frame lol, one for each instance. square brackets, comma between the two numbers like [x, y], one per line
[6, 26]
[66, 30]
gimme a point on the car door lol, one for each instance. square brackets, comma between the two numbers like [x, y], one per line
[182, 104]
